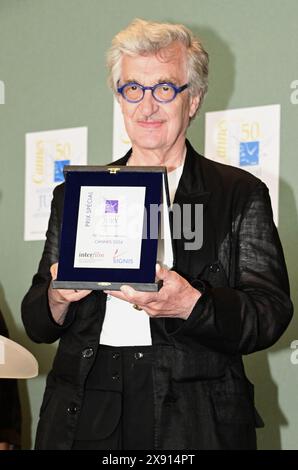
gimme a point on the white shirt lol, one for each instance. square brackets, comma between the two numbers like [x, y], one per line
[123, 325]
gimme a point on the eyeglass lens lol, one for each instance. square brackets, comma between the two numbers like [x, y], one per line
[161, 92]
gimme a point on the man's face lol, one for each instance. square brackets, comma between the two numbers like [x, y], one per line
[152, 125]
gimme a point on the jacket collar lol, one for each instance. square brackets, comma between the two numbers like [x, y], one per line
[122, 161]
[191, 185]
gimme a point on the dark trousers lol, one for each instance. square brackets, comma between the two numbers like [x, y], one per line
[117, 411]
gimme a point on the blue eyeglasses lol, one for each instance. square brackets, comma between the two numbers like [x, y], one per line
[161, 92]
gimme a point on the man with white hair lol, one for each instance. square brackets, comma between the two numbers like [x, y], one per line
[163, 370]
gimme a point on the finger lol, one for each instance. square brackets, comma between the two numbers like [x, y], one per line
[128, 291]
[138, 297]
[117, 294]
[69, 295]
[54, 270]
[75, 296]
[132, 299]
[161, 273]
[84, 292]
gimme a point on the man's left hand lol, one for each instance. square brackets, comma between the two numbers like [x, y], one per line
[176, 298]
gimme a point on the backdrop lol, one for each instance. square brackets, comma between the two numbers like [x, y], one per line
[52, 66]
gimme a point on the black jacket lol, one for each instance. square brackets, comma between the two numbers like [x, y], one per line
[201, 395]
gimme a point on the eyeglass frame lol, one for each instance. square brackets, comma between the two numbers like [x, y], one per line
[176, 89]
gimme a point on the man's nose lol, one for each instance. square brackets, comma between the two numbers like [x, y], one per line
[148, 105]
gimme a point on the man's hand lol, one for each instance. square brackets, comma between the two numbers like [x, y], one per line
[60, 299]
[5, 446]
[176, 298]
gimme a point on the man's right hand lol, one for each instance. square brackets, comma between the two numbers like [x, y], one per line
[60, 299]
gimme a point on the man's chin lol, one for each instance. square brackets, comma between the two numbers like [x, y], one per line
[148, 144]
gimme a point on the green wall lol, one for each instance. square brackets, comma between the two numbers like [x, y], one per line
[52, 62]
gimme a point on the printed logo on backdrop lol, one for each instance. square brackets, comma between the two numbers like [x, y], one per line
[294, 94]
[2, 92]
[121, 142]
[294, 354]
[59, 165]
[249, 153]
[47, 153]
[249, 139]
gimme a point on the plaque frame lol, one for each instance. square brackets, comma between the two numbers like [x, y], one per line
[154, 178]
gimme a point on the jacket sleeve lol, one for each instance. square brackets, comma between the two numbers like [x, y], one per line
[253, 313]
[36, 314]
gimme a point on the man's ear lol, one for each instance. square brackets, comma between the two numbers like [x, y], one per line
[194, 104]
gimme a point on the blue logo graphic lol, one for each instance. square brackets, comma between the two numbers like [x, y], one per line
[58, 170]
[249, 153]
[111, 206]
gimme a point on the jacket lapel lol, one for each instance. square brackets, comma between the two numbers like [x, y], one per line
[191, 185]
[122, 161]
[190, 256]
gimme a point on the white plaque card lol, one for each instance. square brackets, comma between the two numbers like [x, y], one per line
[110, 227]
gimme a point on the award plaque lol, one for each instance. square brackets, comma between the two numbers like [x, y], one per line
[111, 228]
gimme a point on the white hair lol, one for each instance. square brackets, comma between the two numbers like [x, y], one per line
[145, 37]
